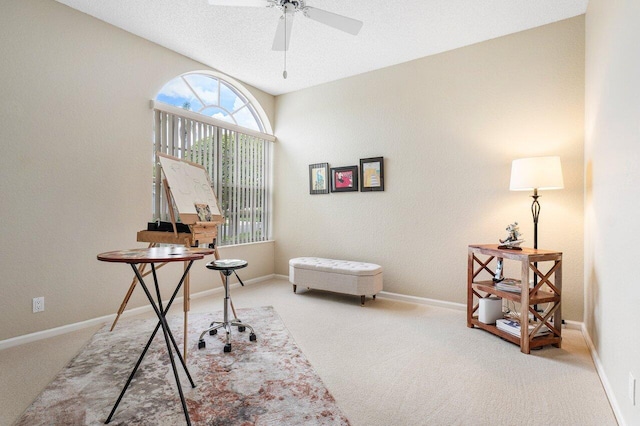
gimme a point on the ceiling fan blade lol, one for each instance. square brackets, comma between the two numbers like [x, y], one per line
[248, 3]
[279, 39]
[339, 22]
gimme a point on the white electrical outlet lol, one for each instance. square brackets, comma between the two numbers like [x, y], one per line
[38, 304]
[632, 389]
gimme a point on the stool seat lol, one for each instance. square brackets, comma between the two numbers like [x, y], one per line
[227, 264]
[226, 268]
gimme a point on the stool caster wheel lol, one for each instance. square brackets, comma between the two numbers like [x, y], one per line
[213, 332]
[201, 344]
[252, 337]
[241, 328]
[227, 347]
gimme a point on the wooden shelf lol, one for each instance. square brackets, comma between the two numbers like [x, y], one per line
[547, 291]
[535, 342]
[535, 298]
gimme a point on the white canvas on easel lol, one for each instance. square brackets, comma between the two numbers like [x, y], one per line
[190, 186]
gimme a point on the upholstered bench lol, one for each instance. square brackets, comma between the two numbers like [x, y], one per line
[340, 276]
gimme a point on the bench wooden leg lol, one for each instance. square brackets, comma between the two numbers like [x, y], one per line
[294, 288]
[362, 300]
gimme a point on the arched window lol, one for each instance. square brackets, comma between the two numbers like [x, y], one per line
[208, 120]
[211, 96]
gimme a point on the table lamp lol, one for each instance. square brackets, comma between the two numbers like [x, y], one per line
[537, 173]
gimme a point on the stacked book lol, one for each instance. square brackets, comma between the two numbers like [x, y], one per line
[512, 326]
[509, 284]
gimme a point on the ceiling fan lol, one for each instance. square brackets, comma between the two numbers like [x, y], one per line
[289, 8]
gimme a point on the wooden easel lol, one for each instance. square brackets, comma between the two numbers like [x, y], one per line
[201, 233]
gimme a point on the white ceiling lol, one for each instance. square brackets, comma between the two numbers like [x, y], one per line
[237, 40]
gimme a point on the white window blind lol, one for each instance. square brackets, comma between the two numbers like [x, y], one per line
[237, 160]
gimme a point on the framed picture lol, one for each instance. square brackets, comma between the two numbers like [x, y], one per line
[344, 179]
[372, 174]
[319, 178]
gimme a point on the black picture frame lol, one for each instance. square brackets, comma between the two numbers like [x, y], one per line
[344, 179]
[372, 174]
[319, 178]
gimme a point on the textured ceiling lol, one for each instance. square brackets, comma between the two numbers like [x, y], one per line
[237, 40]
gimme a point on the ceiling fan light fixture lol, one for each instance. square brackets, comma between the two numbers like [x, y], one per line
[291, 7]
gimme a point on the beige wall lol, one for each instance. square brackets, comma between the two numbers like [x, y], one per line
[612, 158]
[448, 126]
[76, 132]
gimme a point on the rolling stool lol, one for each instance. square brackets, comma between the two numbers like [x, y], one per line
[227, 267]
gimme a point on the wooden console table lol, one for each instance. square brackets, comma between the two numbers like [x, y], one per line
[547, 291]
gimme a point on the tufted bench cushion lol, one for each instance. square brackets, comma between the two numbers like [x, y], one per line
[340, 276]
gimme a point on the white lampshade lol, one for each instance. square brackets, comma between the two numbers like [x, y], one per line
[536, 173]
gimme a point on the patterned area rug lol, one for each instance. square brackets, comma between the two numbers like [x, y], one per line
[267, 382]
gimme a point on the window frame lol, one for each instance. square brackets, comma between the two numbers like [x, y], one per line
[177, 138]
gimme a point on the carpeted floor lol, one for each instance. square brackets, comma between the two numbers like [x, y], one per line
[268, 381]
[389, 363]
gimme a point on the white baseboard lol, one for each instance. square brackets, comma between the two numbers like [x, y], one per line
[422, 300]
[573, 325]
[45, 334]
[405, 298]
[603, 377]
[221, 289]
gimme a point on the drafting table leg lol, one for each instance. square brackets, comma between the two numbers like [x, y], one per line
[186, 303]
[129, 293]
[131, 288]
